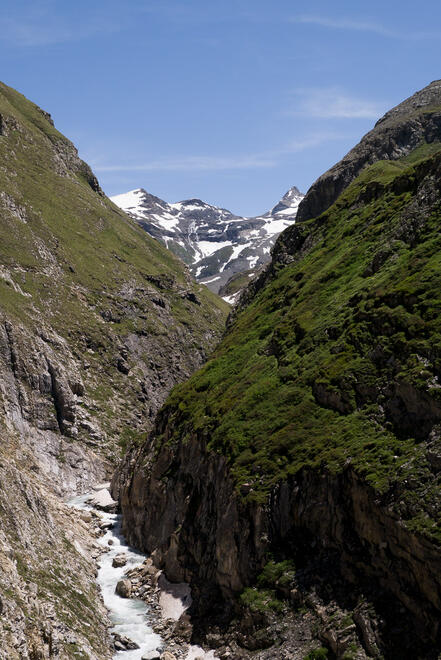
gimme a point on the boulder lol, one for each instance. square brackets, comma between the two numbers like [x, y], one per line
[119, 560]
[103, 500]
[124, 588]
[86, 516]
[151, 655]
[122, 643]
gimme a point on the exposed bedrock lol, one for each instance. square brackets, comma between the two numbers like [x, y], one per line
[396, 134]
[181, 505]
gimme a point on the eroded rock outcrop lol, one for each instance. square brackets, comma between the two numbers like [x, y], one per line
[49, 600]
[415, 121]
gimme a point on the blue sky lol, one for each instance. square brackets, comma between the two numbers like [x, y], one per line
[233, 101]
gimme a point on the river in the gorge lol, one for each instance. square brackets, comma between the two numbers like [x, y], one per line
[129, 616]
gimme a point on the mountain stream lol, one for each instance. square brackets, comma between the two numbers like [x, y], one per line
[129, 616]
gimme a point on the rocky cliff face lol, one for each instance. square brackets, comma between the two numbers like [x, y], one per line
[49, 602]
[202, 531]
[97, 323]
[415, 121]
[312, 435]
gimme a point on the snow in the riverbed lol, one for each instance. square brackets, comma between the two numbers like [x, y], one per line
[197, 652]
[128, 615]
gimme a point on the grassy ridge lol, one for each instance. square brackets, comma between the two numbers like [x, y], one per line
[64, 220]
[73, 261]
[312, 370]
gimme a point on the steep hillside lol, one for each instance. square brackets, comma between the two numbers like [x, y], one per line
[98, 319]
[97, 322]
[49, 602]
[216, 244]
[397, 134]
[305, 457]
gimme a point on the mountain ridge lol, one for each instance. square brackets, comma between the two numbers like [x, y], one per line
[215, 243]
[389, 139]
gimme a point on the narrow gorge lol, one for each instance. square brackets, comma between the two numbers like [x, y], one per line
[276, 465]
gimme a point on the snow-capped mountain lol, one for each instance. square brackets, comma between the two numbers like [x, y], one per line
[214, 243]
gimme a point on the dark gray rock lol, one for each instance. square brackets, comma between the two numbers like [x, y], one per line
[119, 560]
[124, 588]
[396, 134]
[122, 643]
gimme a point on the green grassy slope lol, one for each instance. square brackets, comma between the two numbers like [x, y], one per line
[73, 264]
[338, 357]
[93, 243]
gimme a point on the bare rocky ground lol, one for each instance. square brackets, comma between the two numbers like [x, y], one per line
[50, 605]
[304, 625]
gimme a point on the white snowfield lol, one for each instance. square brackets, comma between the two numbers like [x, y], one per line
[200, 233]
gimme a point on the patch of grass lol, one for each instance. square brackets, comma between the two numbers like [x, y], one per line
[317, 654]
[237, 282]
[129, 438]
[351, 652]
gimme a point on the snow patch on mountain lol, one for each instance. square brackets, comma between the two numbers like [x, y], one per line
[215, 243]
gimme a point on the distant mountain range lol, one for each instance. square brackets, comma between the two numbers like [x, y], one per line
[215, 243]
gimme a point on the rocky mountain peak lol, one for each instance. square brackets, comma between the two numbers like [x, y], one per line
[427, 98]
[414, 122]
[216, 244]
[290, 200]
[195, 202]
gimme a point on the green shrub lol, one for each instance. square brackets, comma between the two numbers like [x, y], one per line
[277, 574]
[317, 654]
[260, 600]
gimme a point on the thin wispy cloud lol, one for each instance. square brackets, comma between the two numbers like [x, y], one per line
[346, 24]
[310, 142]
[43, 27]
[29, 34]
[333, 103]
[372, 27]
[191, 163]
[220, 163]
